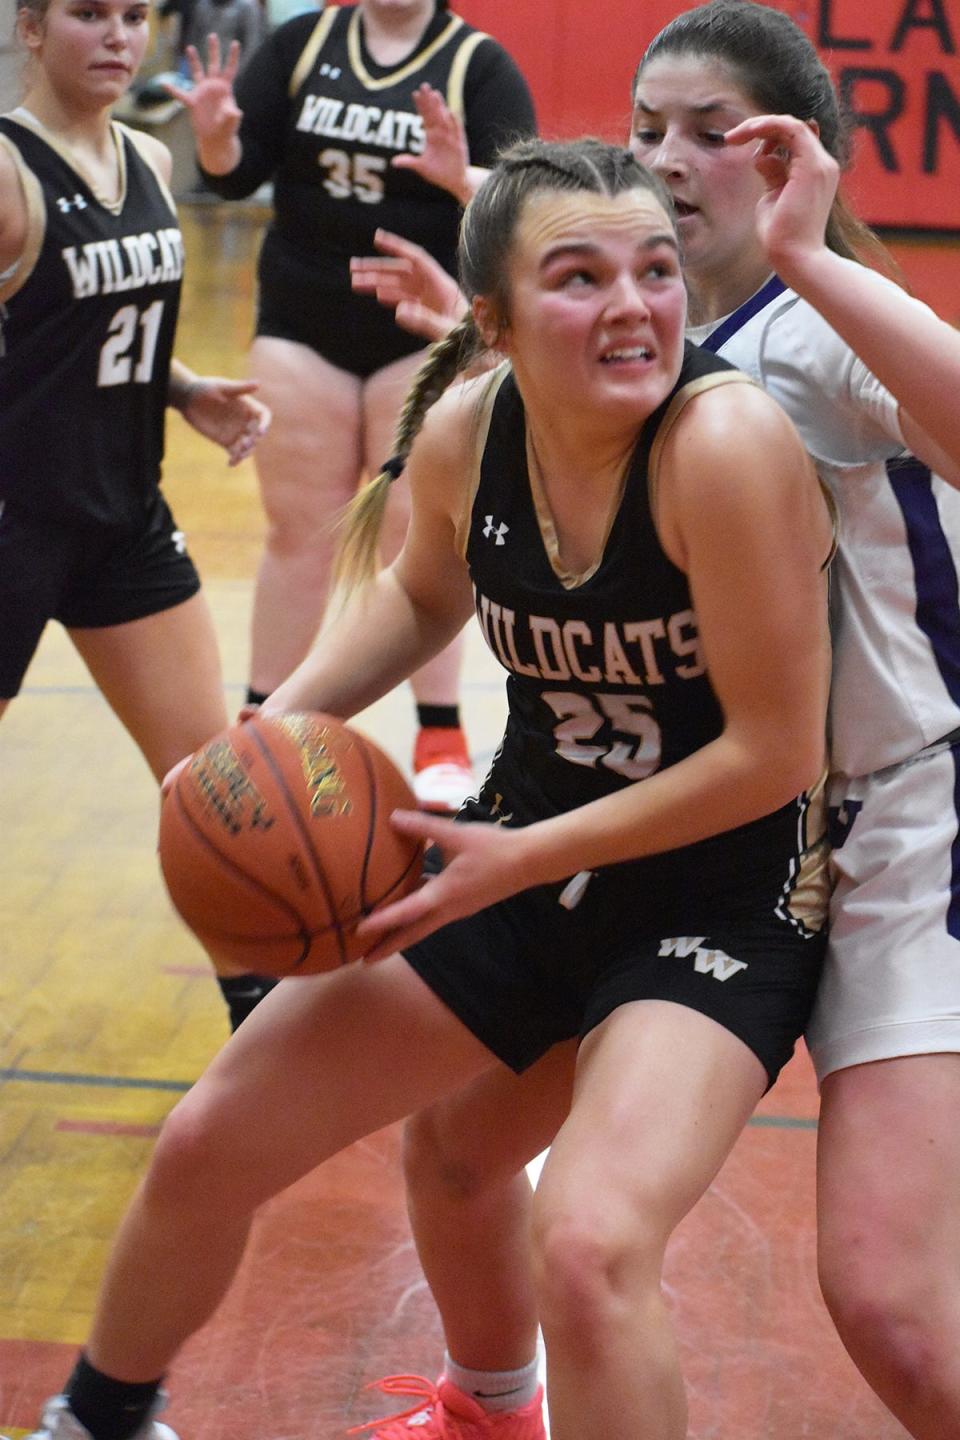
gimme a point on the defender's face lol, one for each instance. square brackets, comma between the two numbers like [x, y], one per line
[597, 304]
[682, 107]
[90, 50]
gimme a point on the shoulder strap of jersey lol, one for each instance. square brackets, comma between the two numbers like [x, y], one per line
[458, 71]
[482, 416]
[19, 273]
[680, 400]
[141, 145]
[311, 50]
[683, 396]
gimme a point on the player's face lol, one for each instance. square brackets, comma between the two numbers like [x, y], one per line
[597, 305]
[90, 50]
[682, 108]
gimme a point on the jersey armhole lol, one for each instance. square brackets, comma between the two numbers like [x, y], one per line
[314, 45]
[17, 275]
[142, 146]
[480, 428]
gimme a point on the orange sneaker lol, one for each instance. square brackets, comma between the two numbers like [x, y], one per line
[442, 777]
[445, 1413]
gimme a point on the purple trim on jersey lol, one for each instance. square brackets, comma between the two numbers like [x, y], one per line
[745, 312]
[953, 909]
[938, 611]
[935, 574]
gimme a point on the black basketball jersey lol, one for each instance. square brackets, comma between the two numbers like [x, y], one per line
[347, 118]
[87, 319]
[606, 678]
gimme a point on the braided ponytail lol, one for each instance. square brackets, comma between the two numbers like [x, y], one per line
[356, 558]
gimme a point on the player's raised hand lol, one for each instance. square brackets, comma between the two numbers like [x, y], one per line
[445, 158]
[214, 113]
[801, 179]
[405, 278]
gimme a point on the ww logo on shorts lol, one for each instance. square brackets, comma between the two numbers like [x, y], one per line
[705, 962]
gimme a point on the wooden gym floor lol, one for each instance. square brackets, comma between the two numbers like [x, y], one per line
[109, 1012]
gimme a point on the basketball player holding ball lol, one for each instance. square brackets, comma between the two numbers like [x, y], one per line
[868, 375]
[90, 265]
[644, 824]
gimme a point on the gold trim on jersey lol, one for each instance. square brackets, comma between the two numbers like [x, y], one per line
[696, 387]
[684, 395]
[807, 894]
[309, 52]
[30, 122]
[141, 144]
[482, 415]
[458, 72]
[19, 273]
[409, 67]
[569, 579]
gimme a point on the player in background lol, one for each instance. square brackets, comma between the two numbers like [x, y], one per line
[90, 264]
[867, 374]
[323, 110]
[611, 456]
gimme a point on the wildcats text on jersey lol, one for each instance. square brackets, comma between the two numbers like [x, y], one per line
[398, 130]
[109, 267]
[636, 653]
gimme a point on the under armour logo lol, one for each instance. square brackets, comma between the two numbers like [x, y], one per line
[497, 809]
[77, 203]
[334, 72]
[179, 542]
[497, 531]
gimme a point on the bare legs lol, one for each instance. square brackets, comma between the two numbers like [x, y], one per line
[329, 429]
[889, 1217]
[585, 1258]
[284, 1094]
[470, 1205]
[161, 676]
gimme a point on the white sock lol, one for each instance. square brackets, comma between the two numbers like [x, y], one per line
[495, 1389]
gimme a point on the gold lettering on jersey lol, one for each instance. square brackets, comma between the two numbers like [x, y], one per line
[227, 790]
[325, 783]
[367, 124]
[111, 267]
[635, 653]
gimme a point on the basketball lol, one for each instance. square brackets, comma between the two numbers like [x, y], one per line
[275, 842]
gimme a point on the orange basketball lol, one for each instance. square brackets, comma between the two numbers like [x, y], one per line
[275, 841]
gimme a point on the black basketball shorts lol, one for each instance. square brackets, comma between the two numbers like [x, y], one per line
[351, 331]
[89, 576]
[527, 973]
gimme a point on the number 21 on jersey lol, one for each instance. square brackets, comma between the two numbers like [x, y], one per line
[129, 349]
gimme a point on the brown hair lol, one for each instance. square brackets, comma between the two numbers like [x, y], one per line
[777, 66]
[486, 240]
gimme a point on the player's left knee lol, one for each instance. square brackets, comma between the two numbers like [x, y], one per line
[591, 1274]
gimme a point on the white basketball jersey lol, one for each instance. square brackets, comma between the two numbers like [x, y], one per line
[896, 632]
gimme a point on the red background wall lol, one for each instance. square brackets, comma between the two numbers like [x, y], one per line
[898, 60]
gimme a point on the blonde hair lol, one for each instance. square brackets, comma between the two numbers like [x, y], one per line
[356, 558]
